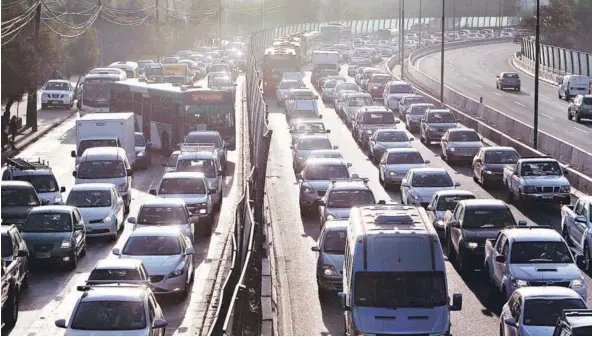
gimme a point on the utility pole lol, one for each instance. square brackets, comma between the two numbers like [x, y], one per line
[442, 53]
[102, 34]
[453, 20]
[402, 38]
[535, 140]
[220, 21]
[31, 120]
[157, 13]
[420, 23]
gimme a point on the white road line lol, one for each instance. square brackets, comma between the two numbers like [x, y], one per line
[519, 103]
[457, 74]
[545, 115]
[478, 85]
[497, 93]
[581, 130]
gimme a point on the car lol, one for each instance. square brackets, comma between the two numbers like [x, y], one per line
[222, 83]
[384, 139]
[344, 86]
[367, 75]
[315, 178]
[143, 150]
[413, 115]
[298, 94]
[330, 249]
[204, 159]
[57, 93]
[351, 103]
[55, 235]
[339, 100]
[196, 193]
[307, 109]
[420, 184]
[508, 80]
[576, 228]
[406, 101]
[212, 138]
[171, 164]
[300, 127]
[168, 255]
[15, 254]
[396, 162]
[368, 120]
[323, 74]
[39, 174]
[341, 196]
[376, 84]
[489, 162]
[393, 92]
[531, 256]
[117, 271]
[460, 144]
[327, 90]
[580, 107]
[307, 143]
[101, 206]
[125, 309]
[444, 201]
[574, 322]
[283, 89]
[434, 123]
[18, 199]
[172, 212]
[325, 154]
[534, 311]
[10, 297]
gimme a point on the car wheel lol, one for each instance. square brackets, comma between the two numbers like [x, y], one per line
[73, 262]
[25, 281]
[565, 235]
[450, 252]
[380, 180]
[509, 196]
[578, 118]
[83, 251]
[569, 116]
[464, 265]
[11, 311]
[586, 258]
[483, 181]
[518, 89]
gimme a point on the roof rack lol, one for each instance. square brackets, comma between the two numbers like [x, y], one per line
[364, 180]
[197, 147]
[23, 164]
[528, 227]
[577, 312]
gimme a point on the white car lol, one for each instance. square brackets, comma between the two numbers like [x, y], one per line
[534, 311]
[166, 212]
[167, 254]
[57, 93]
[113, 271]
[420, 184]
[101, 207]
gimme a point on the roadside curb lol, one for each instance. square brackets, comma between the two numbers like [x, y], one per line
[516, 63]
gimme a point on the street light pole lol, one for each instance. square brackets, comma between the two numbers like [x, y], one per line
[537, 57]
[402, 37]
[442, 53]
[420, 24]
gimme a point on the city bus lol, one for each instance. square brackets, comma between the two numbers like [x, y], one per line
[166, 113]
[277, 61]
[96, 88]
[335, 33]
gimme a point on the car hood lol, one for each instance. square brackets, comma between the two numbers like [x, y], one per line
[403, 168]
[60, 92]
[158, 265]
[476, 145]
[15, 212]
[427, 193]
[547, 180]
[317, 184]
[391, 145]
[480, 235]
[45, 238]
[339, 213]
[335, 260]
[402, 321]
[188, 198]
[545, 271]
[94, 213]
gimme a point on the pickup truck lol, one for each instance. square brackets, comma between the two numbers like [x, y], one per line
[536, 179]
[9, 297]
[576, 227]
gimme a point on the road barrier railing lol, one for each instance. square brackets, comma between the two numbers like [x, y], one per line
[557, 61]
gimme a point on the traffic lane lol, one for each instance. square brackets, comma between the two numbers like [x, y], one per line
[469, 72]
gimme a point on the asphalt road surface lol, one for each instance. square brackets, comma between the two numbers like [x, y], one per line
[472, 71]
[52, 292]
[300, 307]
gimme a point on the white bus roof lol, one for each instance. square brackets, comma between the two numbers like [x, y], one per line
[115, 71]
[124, 65]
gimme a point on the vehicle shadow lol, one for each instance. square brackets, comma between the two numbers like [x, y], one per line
[332, 316]
[228, 178]
[310, 224]
[517, 93]
[492, 301]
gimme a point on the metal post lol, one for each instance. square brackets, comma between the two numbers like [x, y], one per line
[402, 38]
[157, 31]
[263, 15]
[220, 21]
[537, 57]
[420, 23]
[32, 96]
[442, 53]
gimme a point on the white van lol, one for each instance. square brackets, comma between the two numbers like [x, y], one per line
[394, 274]
[106, 165]
[132, 69]
[573, 85]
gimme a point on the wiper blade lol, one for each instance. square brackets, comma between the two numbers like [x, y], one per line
[540, 260]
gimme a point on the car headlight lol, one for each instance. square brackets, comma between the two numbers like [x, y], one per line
[565, 189]
[329, 270]
[472, 245]
[368, 132]
[452, 149]
[203, 211]
[488, 172]
[308, 190]
[415, 196]
[577, 283]
[519, 283]
[122, 187]
[529, 189]
[330, 217]
[140, 154]
[107, 219]
[178, 272]
[66, 244]
[392, 173]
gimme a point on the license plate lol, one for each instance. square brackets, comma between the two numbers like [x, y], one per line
[54, 102]
[43, 255]
[547, 197]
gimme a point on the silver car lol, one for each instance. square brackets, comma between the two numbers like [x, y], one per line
[396, 162]
[327, 91]
[167, 254]
[384, 139]
[306, 144]
[211, 138]
[434, 123]
[412, 117]
[330, 257]
[283, 89]
[460, 144]
[316, 177]
[420, 184]
[301, 127]
[325, 154]
[168, 212]
[341, 196]
[445, 201]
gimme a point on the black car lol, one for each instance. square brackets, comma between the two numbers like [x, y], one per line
[18, 199]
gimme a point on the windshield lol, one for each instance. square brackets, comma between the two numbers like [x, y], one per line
[41, 183]
[204, 138]
[448, 203]
[114, 275]
[330, 85]
[543, 312]
[97, 92]
[414, 100]
[400, 89]
[510, 75]
[290, 85]
[221, 82]
[360, 101]
[335, 242]
[547, 168]
[540, 252]
[380, 79]
[419, 110]
[325, 172]
[87, 144]
[6, 246]
[431, 179]
[152, 246]
[464, 136]
[48, 222]
[501, 157]
[62, 86]
[392, 136]
[587, 101]
[172, 160]
[182, 185]
[310, 128]
[404, 158]
[488, 218]
[206, 166]
[101, 169]
[85, 199]
[140, 141]
[157, 215]
[314, 144]
[441, 117]
[348, 86]
[379, 118]
[301, 95]
[349, 199]
[19, 197]
[109, 316]
[426, 289]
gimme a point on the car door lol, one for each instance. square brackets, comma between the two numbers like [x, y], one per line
[79, 234]
[405, 189]
[456, 233]
[117, 204]
[579, 229]
[501, 248]
[478, 163]
[511, 312]
[19, 244]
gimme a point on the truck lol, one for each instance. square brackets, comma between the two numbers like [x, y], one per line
[576, 227]
[177, 73]
[324, 59]
[536, 179]
[106, 129]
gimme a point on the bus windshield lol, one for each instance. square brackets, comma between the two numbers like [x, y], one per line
[209, 116]
[96, 92]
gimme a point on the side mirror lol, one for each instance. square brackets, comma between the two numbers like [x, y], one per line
[397, 121]
[500, 259]
[565, 172]
[194, 219]
[497, 76]
[430, 208]
[522, 223]
[328, 131]
[355, 176]
[320, 116]
[321, 203]
[427, 161]
[73, 154]
[316, 96]
[62, 189]
[342, 301]
[152, 191]
[411, 139]
[60, 323]
[455, 224]
[116, 251]
[130, 172]
[580, 260]
[457, 301]
[456, 184]
[349, 164]
[405, 184]
[132, 220]
[292, 147]
[381, 202]
[22, 253]
[211, 191]
[580, 219]
[160, 323]
[74, 174]
[335, 147]
[511, 322]
[44, 202]
[190, 251]
[316, 249]
[79, 227]
[298, 176]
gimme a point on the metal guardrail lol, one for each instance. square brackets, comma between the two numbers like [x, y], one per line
[558, 60]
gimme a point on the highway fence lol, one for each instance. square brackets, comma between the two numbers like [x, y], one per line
[556, 60]
[238, 307]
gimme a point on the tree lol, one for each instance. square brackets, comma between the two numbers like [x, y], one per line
[82, 54]
[557, 24]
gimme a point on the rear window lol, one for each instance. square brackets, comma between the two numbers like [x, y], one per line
[515, 76]
[379, 118]
[114, 275]
[464, 136]
[587, 101]
[400, 89]
[41, 183]
[109, 316]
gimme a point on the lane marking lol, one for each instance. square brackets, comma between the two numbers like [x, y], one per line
[457, 74]
[478, 85]
[497, 93]
[545, 115]
[581, 130]
[519, 103]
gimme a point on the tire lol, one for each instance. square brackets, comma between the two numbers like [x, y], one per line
[578, 119]
[208, 227]
[565, 234]
[83, 251]
[380, 180]
[25, 281]
[569, 116]
[509, 196]
[74, 262]
[518, 89]
[587, 261]
[44, 106]
[11, 311]
[483, 181]
[450, 252]
[464, 266]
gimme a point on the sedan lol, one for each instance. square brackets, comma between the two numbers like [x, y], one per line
[488, 164]
[384, 139]
[307, 143]
[315, 179]
[460, 144]
[395, 164]
[420, 184]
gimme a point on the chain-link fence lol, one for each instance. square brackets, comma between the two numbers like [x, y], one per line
[557, 60]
